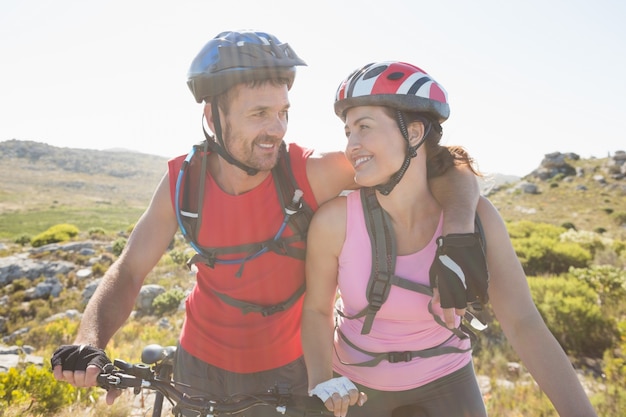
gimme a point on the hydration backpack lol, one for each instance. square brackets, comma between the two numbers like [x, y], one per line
[189, 200]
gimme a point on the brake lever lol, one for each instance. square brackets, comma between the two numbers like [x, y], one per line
[474, 321]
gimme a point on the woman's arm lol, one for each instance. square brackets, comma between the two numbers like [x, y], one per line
[522, 324]
[325, 239]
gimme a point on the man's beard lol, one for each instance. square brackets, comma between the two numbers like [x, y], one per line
[252, 159]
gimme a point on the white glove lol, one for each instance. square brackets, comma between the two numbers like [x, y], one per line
[325, 390]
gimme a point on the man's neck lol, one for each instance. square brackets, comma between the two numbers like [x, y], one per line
[231, 179]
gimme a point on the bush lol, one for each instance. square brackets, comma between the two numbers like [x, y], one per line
[619, 217]
[570, 309]
[544, 255]
[179, 257]
[38, 391]
[119, 245]
[168, 301]
[591, 241]
[22, 240]
[58, 233]
[96, 233]
[53, 334]
[525, 228]
[607, 281]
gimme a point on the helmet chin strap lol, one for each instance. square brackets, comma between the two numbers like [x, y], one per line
[218, 145]
[411, 153]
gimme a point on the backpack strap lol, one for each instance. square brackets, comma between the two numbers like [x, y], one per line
[382, 275]
[265, 311]
[298, 215]
[395, 357]
[190, 196]
[383, 245]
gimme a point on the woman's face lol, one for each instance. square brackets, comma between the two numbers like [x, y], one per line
[375, 146]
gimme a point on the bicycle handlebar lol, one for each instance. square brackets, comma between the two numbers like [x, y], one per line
[122, 375]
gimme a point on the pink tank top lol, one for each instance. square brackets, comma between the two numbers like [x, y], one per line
[402, 324]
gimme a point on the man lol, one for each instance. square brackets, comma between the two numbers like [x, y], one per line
[242, 325]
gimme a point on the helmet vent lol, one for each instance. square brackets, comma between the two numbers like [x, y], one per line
[395, 76]
[374, 72]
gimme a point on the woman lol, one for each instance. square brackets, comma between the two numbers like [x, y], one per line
[406, 361]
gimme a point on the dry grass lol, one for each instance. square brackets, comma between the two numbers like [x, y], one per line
[562, 200]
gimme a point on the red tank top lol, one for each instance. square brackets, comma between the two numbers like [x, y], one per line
[218, 333]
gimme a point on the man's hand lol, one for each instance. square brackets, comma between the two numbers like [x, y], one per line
[80, 366]
[337, 394]
[459, 274]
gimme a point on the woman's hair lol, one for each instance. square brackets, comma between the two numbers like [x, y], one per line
[440, 158]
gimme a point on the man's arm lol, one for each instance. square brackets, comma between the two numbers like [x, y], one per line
[329, 174]
[114, 299]
[457, 192]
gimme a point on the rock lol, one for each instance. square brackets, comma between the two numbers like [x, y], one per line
[21, 266]
[146, 296]
[12, 356]
[90, 289]
[51, 287]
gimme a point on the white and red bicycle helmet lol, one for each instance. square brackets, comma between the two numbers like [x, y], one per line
[394, 84]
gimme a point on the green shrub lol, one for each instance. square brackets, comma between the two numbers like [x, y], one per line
[591, 241]
[96, 232]
[545, 255]
[570, 309]
[607, 281]
[168, 301]
[38, 390]
[619, 217]
[611, 401]
[525, 228]
[22, 240]
[178, 256]
[57, 233]
[119, 245]
[99, 269]
[52, 334]
[20, 284]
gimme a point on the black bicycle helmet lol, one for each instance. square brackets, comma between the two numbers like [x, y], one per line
[240, 56]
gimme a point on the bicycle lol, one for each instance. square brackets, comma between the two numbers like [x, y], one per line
[155, 373]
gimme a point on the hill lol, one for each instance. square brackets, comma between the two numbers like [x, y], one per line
[589, 194]
[44, 185]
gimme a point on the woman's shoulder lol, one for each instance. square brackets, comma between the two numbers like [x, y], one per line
[331, 215]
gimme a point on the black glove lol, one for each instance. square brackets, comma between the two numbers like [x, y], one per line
[459, 270]
[78, 357]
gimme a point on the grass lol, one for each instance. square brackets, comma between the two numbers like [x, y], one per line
[111, 217]
[562, 200]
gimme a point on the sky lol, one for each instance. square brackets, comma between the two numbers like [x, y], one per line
[524, 78]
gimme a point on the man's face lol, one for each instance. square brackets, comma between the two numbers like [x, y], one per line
[256, 123]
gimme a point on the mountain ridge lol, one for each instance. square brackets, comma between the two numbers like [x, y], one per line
[44, 177]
